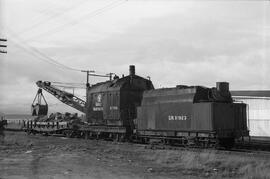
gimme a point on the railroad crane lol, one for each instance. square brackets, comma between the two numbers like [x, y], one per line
[129, 108]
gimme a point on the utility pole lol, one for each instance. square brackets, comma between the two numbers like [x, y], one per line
[88, 73]
[110, 75]
[87, 86]
[4, 46]
[87, 76]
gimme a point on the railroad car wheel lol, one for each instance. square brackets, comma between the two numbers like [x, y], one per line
[68, 133]
[28, 132]
[227, 143]
[121, 138]
[145, 140]
[86, 135]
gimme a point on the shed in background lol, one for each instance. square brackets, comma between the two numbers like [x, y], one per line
[258, 110]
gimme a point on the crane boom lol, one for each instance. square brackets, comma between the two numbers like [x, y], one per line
[63, 96]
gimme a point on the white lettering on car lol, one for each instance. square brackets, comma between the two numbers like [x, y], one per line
[177, 118]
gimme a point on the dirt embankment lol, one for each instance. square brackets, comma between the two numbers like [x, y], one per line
[37, 156]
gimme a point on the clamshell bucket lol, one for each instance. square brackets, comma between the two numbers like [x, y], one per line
[37, 108]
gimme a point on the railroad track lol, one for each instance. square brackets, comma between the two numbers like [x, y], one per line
[253, 145]
[248, 148]
[249, 151]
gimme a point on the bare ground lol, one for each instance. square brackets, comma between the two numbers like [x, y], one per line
[36, 156]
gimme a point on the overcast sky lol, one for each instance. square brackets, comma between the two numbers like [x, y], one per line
[175, 42]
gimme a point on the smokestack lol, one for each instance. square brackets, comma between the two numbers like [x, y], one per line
[131, 70]
[223, 87]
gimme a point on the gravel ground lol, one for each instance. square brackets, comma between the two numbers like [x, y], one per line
[36, 156]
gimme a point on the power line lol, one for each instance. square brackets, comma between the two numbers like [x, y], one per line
[51, 59]
[43, 57]
[93, 13]
[99, 75]
[33, 26]
[32, 49]
[31, 52]
[46, 10]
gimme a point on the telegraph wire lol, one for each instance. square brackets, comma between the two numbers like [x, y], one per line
[46, 10]
[93, 13]
[53, 60]
[76, 21]
[38, 23]
[50, 59]
[35, 55]
[99, 75]
[41, 56]
[32, 49]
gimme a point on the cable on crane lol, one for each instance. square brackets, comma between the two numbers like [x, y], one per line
[67, 83]
[70, 87]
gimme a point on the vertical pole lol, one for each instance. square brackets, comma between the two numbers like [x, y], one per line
[86, 98]
[39, 101]
[87, 78]
[87, 86]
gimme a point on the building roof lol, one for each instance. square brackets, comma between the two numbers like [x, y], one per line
[251, 93]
